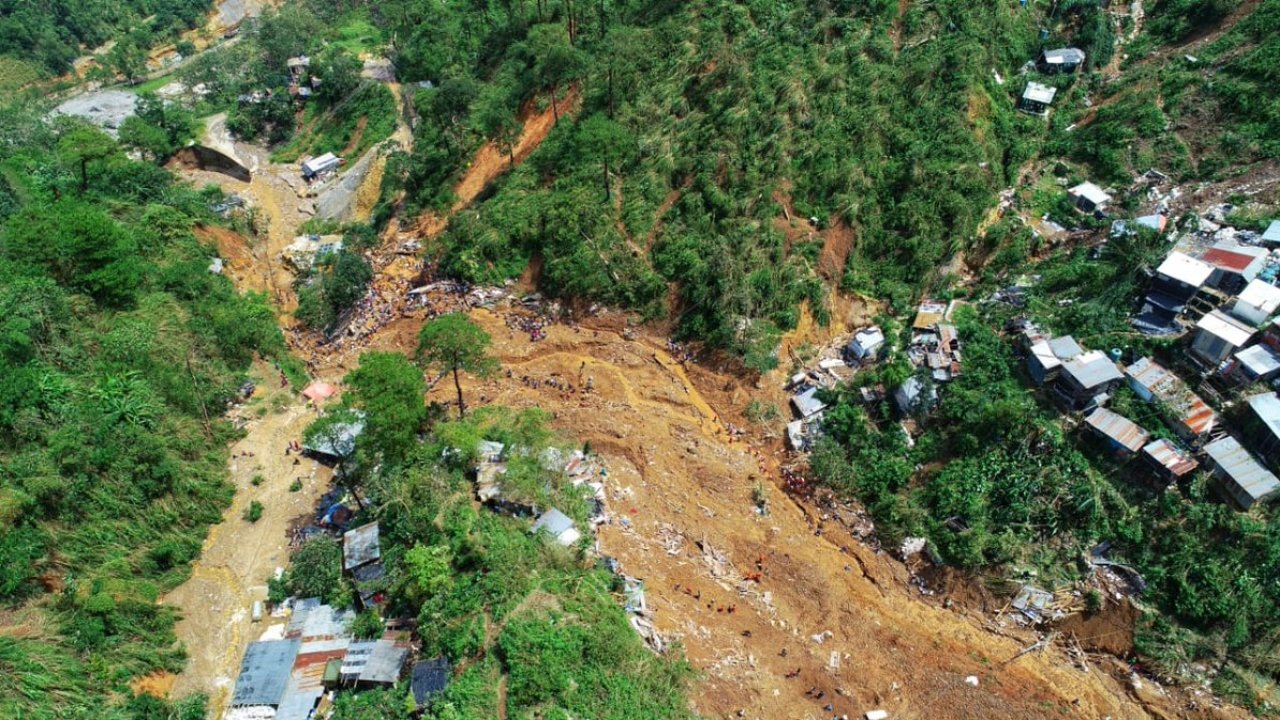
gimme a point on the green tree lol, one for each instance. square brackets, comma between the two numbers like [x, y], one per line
[339, 74]
[316, 571]
[494, 120]
[389, 390]
[85, 144]
[606, 140]
[555, 59]
[128, 60]
[453, 343]
[428, 572]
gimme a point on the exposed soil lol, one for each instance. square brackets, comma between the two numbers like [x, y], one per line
[1110, 630]
[681, 487]
[238, 556]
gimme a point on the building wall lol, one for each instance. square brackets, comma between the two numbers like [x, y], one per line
[1211, 347]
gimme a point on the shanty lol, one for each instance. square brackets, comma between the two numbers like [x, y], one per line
[1120, 433]
[1244, 480]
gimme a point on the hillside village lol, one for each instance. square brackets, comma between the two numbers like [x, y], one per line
[645, 361]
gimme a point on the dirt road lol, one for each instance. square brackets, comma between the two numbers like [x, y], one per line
[239, 556]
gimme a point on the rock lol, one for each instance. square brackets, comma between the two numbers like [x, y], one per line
[876, 715]
[972, 680]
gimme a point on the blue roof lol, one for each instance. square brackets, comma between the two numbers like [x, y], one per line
[264, 672]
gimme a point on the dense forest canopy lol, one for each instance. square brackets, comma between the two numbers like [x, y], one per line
[53, 34]
[119, 351]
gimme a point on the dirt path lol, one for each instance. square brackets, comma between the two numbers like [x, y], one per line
[239, 556]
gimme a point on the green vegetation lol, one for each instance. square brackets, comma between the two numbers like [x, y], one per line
[118, 353]
[346, 114]
[253, 513]
[454, 344]
[494, 599]
[332, 285]
[52, 37]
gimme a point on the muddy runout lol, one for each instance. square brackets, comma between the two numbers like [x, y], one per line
[239, 556]
[829, 622]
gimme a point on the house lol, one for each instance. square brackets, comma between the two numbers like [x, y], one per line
[373, 662]
[865, 345]
[1243, 479]
[1061, 60]
[362, 560]
[1259, 301]
[1234, 266]
[936, 348]
[1037, 98]
[1122, 435]
[807, 403]
[264, 675]
[558, 526]
[1262, 428]
[928, 314]
[1045, 358]
[298, 67]
[1271, 237]
[1180, 277]
[314, 167]
[1219, 336]
[1190, 416]
[1087, 381]
[428, 679]
[1089, 198]
[1168, 461]
[360, 546]
[1256, 363]
[916, 395]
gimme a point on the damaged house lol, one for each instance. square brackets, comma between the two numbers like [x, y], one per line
[1189, 415]
[1175, 292]
[362, 560]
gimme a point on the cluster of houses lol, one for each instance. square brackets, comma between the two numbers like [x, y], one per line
[1037, 97]
[1215, 288]
[292, 672]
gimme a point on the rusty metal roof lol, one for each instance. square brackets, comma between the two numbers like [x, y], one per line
[1170, 457]
[1190, 410]
[1118, 428]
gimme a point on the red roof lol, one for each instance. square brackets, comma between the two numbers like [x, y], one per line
[1228, 260]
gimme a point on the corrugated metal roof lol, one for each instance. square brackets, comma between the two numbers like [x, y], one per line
[264, 672]
[1169, 389]
[1064, 55]
[1170, 457]
[1228, 259]
[1090, 192]
[807, 403]
[1045, 356]
[1092, 369]
[1184, 268]
[1066, 348]
[1267, 407]
[1273, 232]
[340, 441]
[306, 685]
[1222, 325]
[375, 661]
[429, 678]
[1260, 359]
[360, 545]
[1236, 463]
[1039, 93]
[1262, 295]
[312, 619]
[1118, 428]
